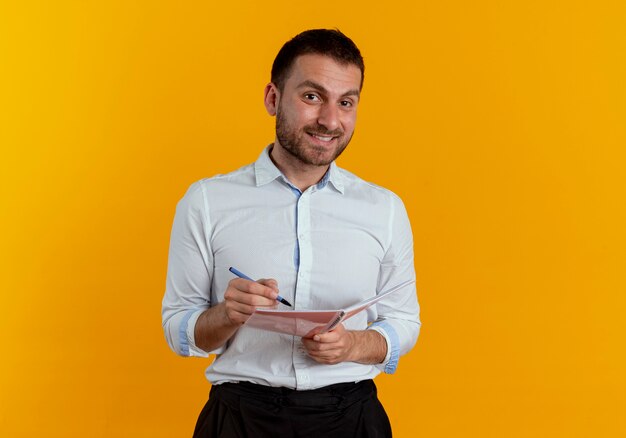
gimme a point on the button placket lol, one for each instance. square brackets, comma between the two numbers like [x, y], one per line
[304, 244]
[303, 288]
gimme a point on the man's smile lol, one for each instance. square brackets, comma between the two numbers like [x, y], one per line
[324, 138]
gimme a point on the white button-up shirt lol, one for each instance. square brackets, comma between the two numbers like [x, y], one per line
[337, 243]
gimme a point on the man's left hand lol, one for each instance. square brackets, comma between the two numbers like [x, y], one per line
[331, 347]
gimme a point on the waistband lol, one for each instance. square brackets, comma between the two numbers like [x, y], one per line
[336, 394]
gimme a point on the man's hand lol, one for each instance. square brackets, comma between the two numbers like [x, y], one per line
[218, 324]
[341, 345]
[331, 347]
[243, 296]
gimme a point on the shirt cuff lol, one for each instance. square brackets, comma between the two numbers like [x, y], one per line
[187, 339]
[390, 363]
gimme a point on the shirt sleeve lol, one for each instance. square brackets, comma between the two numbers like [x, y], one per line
[189, 273]
[398, 314]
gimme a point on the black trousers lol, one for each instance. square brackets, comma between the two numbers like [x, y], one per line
[345, 410]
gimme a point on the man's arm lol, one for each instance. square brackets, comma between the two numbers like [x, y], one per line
[398, 315]
[189, 273]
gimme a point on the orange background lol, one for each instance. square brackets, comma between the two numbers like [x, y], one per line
[502, 125]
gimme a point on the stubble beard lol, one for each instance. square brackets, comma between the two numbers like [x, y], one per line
[294, 142]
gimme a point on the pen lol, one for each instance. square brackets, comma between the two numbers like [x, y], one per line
[245, 277]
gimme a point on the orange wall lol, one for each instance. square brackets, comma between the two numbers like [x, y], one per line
[501, 124]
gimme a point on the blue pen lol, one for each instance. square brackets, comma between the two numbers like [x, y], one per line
[245, 277]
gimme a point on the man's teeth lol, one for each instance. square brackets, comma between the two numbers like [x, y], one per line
[323, 138]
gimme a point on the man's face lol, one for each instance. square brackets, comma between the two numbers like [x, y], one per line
[316, 111]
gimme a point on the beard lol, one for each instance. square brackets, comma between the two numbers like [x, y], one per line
[294, 141]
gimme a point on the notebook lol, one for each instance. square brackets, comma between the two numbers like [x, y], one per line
[307, 323]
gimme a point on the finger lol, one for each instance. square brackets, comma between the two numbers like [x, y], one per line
[249, 291]
[241, 305]
[328, 337]
[324, 353]
[269, 282]
[310, 344]
[246, 299]
[315, 347]
[235, 306]
[256, 288]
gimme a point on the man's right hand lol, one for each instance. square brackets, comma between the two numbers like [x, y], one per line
[243, 296]
[218, 324]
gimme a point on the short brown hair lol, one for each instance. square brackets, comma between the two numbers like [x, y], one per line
[328, 42]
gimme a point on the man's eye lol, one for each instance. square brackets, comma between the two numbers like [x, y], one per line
[346, 103]
[311, 97]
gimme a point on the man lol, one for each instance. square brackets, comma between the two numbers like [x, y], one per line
[326, 238]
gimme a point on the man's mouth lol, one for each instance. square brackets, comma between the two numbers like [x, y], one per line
[324, 138]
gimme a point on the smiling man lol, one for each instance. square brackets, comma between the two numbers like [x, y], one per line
[326, 129]
[321, 237]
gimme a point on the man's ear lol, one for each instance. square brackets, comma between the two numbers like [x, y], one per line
[271, 98]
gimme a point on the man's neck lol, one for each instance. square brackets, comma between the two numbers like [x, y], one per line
[300, 174]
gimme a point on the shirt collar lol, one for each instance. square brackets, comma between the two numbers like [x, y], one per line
[333, 176]
[265, 171]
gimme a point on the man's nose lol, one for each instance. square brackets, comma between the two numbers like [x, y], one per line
[329, 117]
